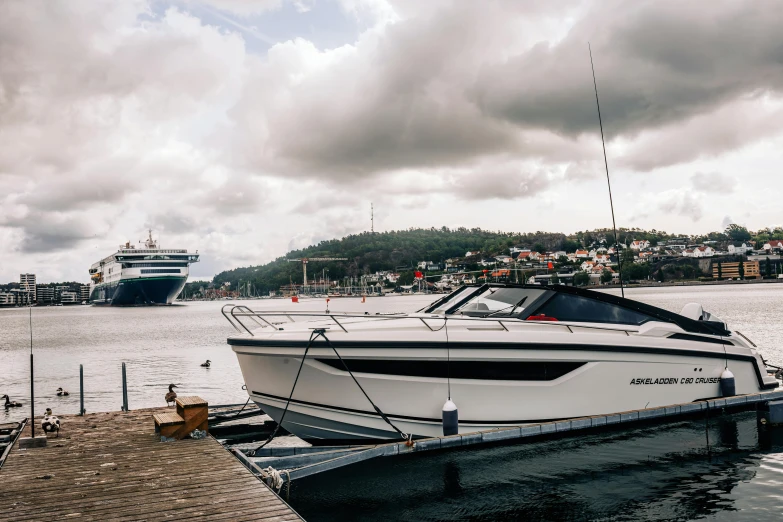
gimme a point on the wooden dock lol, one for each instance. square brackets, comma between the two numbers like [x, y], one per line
[112, 466]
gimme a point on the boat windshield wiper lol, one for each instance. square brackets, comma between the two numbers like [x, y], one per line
[513, 307]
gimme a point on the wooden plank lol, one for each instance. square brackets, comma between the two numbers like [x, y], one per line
[109, 466]
[168, 418]
[192, 401]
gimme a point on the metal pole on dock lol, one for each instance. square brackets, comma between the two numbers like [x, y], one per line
[124, 389]
[32, 397]
[32, 378]
[81, 390]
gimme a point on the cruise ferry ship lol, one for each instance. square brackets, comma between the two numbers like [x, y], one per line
[140, 276]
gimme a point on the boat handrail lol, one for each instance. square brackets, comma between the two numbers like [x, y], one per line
[263, 319]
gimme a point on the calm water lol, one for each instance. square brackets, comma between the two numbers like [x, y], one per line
[651, 473]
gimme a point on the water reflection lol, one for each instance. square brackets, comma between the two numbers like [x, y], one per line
[648, 473]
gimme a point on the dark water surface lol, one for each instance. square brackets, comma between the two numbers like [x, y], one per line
[649, 473]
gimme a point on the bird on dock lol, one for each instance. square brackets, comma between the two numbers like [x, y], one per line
[9, 403]
[50, 423]
[62, 393]
[171, 395]
[206, 364]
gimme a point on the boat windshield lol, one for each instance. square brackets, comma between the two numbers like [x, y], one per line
[500, 301]
[452, 299]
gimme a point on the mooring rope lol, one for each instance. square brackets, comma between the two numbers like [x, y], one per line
[321, 332]
[313, 336]
[405, 436]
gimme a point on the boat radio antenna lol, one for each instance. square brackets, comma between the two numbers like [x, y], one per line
[608, 183]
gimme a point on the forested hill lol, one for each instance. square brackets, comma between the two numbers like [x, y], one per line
[401, 250]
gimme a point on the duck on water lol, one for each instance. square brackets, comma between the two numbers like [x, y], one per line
[9, 403]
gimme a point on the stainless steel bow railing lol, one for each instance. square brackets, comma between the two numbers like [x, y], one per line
[234, 314]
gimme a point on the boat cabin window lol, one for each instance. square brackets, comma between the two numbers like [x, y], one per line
[500, 302]
[566, 307]
[452, 299]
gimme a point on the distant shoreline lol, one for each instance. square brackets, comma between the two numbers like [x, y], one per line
[655, 284]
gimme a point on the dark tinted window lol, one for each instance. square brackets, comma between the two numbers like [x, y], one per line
[565, 307]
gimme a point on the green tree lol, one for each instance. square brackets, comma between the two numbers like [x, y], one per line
[741, 270]
[539, 247]
[737, 232]
[660, 276]
[406, 278]
[688, 272]
[570, 245]
[606, 276]
[581, 279]
[554, 279]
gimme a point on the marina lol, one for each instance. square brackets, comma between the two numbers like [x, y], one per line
[383, 260]
[314, 471]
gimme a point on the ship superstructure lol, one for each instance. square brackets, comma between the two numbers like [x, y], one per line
[140, 276]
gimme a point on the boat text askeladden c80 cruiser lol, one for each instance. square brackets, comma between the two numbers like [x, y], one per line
[511, 354]
[140, 276]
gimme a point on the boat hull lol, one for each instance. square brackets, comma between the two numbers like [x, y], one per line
[328, 407]
[139, 291]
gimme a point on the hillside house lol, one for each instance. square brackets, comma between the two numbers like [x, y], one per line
[640, 245]
[582, 254]
[740, 248]
[773, 245]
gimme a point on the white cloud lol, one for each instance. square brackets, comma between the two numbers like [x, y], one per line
[115, 116]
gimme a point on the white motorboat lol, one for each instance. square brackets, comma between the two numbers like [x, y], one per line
[505, 354]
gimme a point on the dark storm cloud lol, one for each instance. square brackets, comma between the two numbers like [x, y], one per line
[656, 63]
[456, 85]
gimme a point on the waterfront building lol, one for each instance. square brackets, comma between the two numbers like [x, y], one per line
[22, 297]
[27, 283]
[44, 294]
[7, 299]
[731, 270]
[68, 297]
[84, 292]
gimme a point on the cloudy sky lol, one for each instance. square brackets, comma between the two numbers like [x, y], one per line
[246, 128]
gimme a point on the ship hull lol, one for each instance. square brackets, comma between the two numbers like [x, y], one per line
[139, 291]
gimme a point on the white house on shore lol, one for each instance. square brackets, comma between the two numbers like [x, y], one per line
[773, 245]
[640, 245]
[742, 248]
[701, 251]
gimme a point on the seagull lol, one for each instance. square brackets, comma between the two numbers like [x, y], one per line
[9, 403]
[50, 423]
[171, 395]
[62, 393]
[206, 364]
